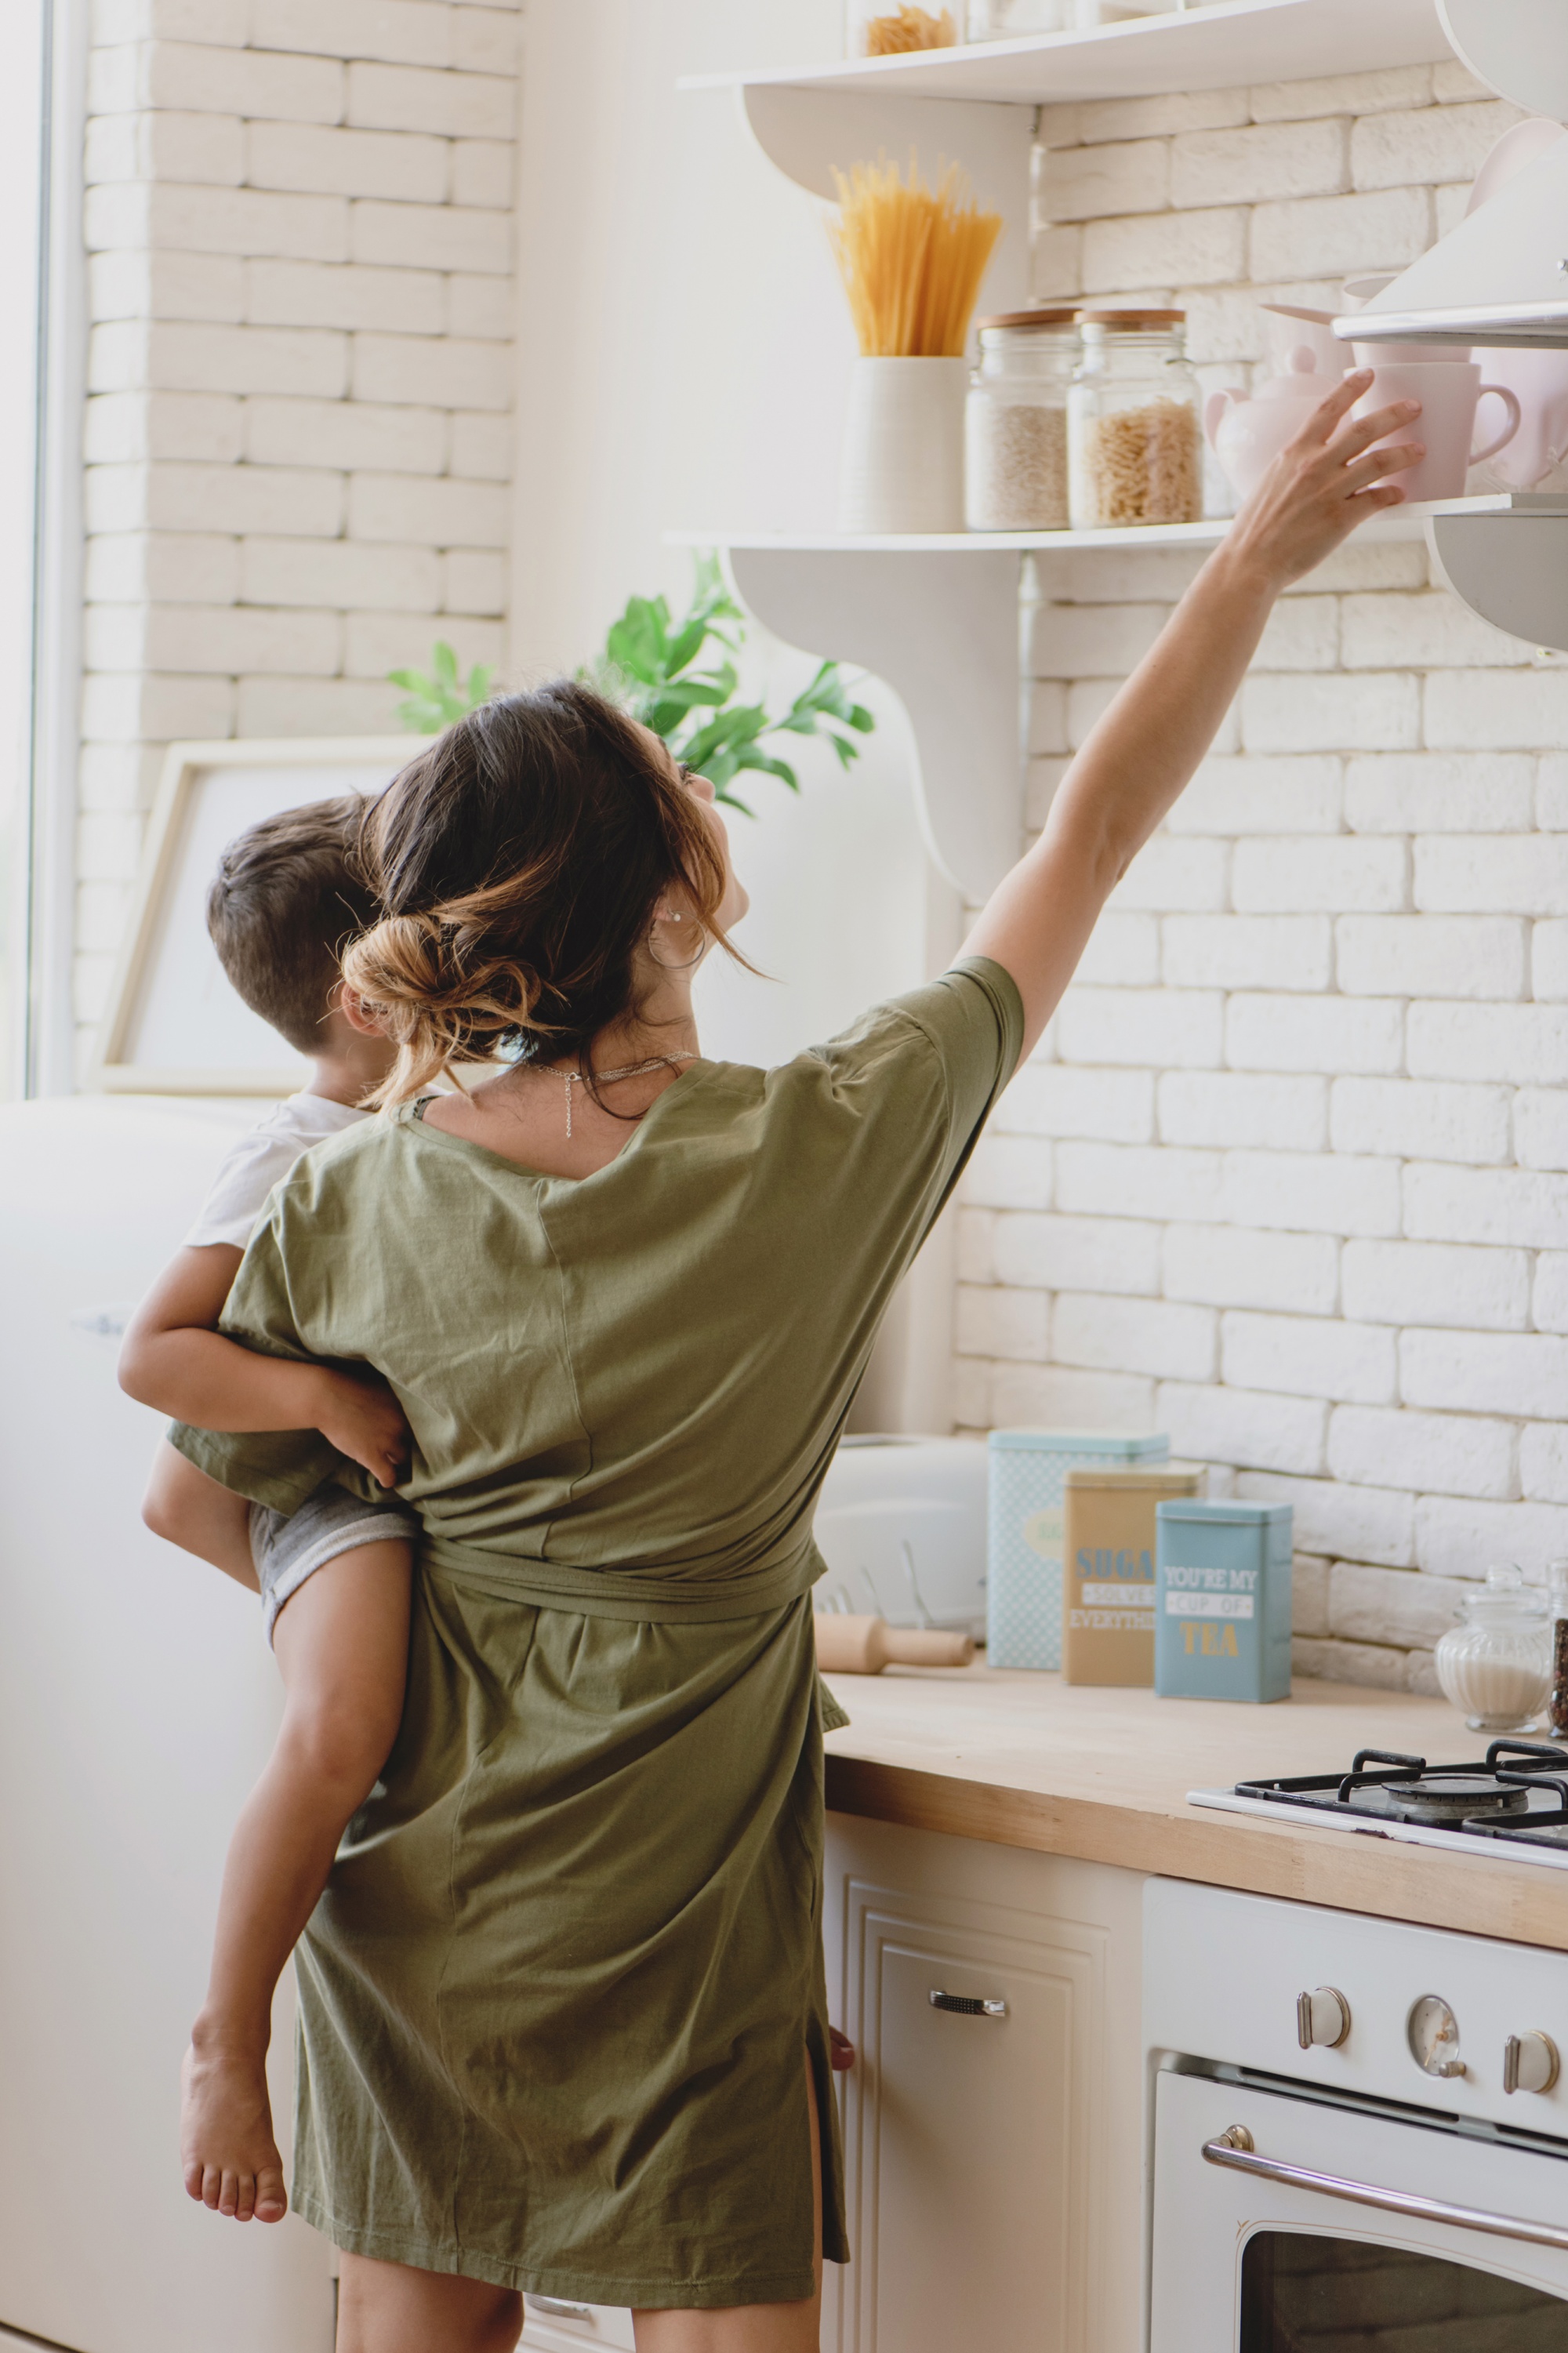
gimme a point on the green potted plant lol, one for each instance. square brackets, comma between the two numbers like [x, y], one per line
[648, 665]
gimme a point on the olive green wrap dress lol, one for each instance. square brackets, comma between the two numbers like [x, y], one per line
[553, 2003]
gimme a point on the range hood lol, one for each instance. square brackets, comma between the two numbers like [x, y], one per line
[1501, 276]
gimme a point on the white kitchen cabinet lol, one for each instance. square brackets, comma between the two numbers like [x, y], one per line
[995, 2165]
[993, 2162]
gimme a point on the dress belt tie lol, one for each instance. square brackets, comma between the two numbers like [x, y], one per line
[698, 1599]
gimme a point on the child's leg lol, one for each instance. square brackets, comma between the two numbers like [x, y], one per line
[342, 1643]
[187, 1508]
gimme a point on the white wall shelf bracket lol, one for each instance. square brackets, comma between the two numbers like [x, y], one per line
[943, 634]
[809, 132]
[1512, 568]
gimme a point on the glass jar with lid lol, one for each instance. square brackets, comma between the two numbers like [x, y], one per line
[1134, 439]
[892, 28]
[1005, 20]
[1015, 423]
[1496, 1664]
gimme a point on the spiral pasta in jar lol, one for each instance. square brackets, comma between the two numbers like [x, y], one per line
[1134, 440]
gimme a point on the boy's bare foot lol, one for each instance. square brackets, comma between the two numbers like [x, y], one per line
[227, 2154]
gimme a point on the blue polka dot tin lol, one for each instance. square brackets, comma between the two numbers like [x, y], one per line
[1028, 1470]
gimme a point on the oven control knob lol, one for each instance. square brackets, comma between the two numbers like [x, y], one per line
[1322, 2016]
[1529, 2063]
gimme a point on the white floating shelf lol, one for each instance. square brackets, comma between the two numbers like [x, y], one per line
[1521, 325]
[959, 543]
[1399, 523]
[1220, 46]
[943, 630]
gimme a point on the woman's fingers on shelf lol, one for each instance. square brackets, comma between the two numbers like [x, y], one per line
[1391, 460]
[1364, 430]
[1320, 426]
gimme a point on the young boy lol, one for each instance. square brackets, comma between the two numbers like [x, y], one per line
[284, 901]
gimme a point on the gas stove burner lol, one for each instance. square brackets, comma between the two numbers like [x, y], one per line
[1452, 1797]
[1514, 1800]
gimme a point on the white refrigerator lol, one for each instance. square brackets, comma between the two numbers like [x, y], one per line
[137, 1701]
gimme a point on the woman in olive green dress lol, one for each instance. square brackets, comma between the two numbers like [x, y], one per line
[564, 2021]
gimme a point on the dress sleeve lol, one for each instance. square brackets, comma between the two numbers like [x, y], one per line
[278, 1466]
[962, 1034]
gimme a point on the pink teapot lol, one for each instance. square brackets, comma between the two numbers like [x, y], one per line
[1247, 436]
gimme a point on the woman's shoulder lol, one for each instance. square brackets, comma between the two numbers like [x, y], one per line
[970, 1014]
[934, 1045]
[364, 1154]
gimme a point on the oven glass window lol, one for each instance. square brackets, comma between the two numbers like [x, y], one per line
[1304, 2295]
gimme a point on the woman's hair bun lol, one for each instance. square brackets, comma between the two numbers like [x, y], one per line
[519, 860]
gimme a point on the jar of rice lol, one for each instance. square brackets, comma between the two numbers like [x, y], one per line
[1016, 425]
[1134, 440]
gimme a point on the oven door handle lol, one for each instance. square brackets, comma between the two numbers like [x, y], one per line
[1235, 2148]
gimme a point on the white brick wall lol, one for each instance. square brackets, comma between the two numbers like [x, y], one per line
[1289, 1177]
[297, 437]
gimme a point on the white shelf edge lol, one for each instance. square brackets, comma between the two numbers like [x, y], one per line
[1397, 522]
[1528, 324]
[1218, 44]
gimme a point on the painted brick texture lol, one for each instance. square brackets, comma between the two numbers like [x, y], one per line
[299, 218]
[1288, 1177]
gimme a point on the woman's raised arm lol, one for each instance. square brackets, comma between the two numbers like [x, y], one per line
[1144, 749]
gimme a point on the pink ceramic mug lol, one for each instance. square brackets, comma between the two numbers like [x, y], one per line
[1449, 395]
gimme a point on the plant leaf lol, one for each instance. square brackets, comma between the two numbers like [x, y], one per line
[750, 758]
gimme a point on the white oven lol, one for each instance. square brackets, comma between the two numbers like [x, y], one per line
[1359, 2133]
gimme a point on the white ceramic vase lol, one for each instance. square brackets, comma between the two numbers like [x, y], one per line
[902, 467]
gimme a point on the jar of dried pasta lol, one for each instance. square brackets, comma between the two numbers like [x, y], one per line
[892, 28]
[1134, 440]
[1015, 424]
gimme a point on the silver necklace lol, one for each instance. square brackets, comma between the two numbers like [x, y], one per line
[608, 1078]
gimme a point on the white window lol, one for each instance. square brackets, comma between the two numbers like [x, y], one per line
[22, 159]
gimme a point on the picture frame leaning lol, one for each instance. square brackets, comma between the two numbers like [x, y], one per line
[172, 1024]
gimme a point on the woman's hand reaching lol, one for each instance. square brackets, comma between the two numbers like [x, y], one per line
[1142, 751]
[1324, 482]
[363, 1420]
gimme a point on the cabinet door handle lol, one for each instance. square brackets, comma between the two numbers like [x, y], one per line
[559, 2311]
[1235, 2148]
[966, 2005]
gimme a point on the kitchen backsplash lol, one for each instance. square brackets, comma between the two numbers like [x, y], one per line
[1286, 1179]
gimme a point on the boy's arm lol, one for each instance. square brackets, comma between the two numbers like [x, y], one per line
[186, 1508]
[174, 1360]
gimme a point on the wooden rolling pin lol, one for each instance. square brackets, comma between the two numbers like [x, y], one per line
[864, 1646]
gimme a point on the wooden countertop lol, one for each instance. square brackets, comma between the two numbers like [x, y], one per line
[1026, 1760]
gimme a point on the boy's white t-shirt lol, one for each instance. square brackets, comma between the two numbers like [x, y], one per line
[262, 1159]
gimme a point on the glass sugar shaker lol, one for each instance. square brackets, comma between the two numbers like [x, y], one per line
[1496, 1664]
[1557, 1607]
[1016, 422]
[1134, 435]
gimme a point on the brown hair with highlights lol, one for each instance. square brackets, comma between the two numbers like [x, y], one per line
[519, 861]
[287, 898]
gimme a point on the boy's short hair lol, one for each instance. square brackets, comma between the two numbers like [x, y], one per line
[285, 902]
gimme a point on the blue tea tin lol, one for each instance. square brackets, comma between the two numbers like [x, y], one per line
[1028, 1470]
[1222, 1601]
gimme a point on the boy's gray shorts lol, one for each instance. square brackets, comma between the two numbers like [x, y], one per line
[286, 1549]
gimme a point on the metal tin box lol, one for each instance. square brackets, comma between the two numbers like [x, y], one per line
[1221, 1603]
[1024, 1549]
[1108, 1571]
